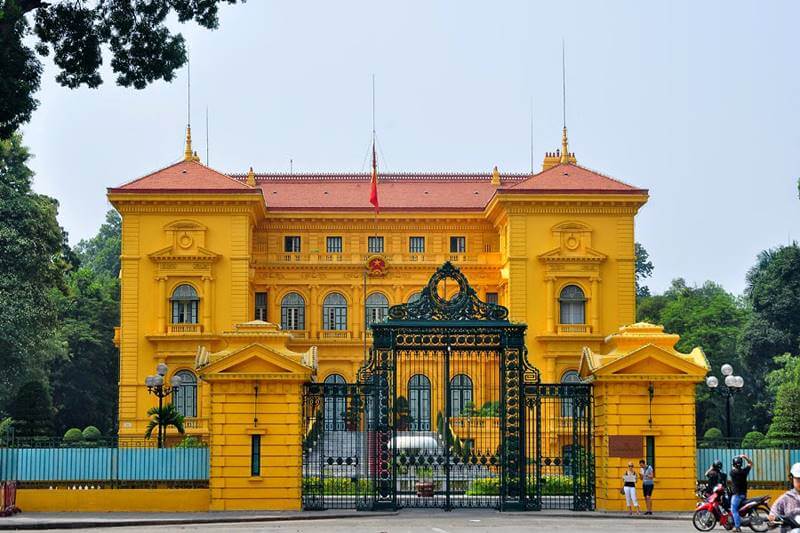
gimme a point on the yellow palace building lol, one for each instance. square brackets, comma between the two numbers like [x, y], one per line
[208, 257]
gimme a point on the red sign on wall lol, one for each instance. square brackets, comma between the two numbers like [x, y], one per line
[628, 446]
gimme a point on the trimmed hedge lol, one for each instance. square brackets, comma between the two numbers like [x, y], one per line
[551, 486]
[336, 486]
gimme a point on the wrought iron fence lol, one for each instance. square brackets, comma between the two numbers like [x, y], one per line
[111, 463]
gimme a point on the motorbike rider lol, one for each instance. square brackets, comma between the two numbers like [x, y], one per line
[739, 473]
[789, 503]
[715, 476]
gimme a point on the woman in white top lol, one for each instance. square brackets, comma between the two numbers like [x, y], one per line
[629, 487]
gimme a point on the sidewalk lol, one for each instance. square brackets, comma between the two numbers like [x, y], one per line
[43, 521]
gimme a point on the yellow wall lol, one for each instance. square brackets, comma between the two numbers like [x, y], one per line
[280, 426]
[112, 500]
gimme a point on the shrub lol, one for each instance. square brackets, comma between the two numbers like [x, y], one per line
[555, 485]
[73, 435]
[712, 437]
[753, 439]
[785, 427]
[190, 442]
[92, 434]
[336, 486]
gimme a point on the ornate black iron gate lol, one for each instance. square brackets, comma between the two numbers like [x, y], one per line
[448, 413]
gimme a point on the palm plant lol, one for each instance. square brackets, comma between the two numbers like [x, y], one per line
[165, 416]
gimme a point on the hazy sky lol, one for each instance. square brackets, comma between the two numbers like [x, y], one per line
[696, 101]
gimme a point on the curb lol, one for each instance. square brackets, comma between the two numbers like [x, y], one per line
[181, 521]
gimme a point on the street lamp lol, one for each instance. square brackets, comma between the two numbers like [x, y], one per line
[731, 385]
[155, 385]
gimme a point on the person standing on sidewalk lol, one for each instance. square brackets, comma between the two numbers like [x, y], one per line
[629, 488]
[648, 484]
[739, 474]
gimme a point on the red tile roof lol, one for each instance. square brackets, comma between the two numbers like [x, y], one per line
[571, 179]
[184, 177]
[396, 191]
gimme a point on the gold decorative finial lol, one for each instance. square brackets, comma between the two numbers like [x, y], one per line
[188, 155]
[495, 176]
[564, 147]
[251, 178]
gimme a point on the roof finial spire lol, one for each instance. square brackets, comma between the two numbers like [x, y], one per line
[251, 178]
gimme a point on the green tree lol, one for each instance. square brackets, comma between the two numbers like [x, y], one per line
[785, 427]
[644, 269]
[753, 439]
[85, 382]
[32, 267]
[100, 254]
[134, 35]
[167, 416]
[32, 411]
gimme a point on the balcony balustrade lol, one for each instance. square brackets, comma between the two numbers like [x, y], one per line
[574, 329]
[184, 329]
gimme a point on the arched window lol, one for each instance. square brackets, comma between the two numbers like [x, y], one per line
[414, 296]
[293, 312]
[184, 305]
[334, 312]
[419, 403]
[460, 394]
[573, 305]
[185, 397]
[569, 377]
[377, 308]
[335, 406]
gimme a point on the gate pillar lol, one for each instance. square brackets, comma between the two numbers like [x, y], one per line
[644, 393]
[256, 419]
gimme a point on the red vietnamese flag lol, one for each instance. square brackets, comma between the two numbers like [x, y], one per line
[373, 189]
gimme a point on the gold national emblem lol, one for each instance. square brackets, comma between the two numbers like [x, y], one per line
[376, 266]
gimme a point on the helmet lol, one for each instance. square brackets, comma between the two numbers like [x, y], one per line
[737, 462]
[717, 465]
[795, 471]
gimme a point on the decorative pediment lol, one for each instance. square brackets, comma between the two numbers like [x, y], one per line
[170, 253]
[642, 351]
[573, 243]
[255, 361]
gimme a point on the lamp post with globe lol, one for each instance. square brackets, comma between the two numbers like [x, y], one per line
[731, 385]
[155, 385]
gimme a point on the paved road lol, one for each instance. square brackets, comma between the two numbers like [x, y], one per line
[435, 521]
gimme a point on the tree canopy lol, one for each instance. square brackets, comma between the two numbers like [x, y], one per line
[32, 273]
[135, 34]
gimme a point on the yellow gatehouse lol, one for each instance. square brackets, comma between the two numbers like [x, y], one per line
[250, 283]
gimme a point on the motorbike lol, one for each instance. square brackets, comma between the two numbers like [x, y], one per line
[787, 523]
[713, 510]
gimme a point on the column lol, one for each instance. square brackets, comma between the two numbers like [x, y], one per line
[357, 318]
[162, 303]
[207, 327]
[312, 313]
[550, 304]
[273, 305]
[595, 305]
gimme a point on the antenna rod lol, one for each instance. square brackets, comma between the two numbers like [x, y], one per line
[531, 134]
[563, 84]
[188, 90]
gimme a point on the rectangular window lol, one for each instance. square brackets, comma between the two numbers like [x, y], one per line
[293, 318]
[650, 450]
[255, 455]
[291, 243]
[416, 245]
[458, 245]
[491, 298]
[375, 245]
[334, 245]
[261, 306]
